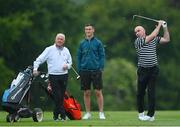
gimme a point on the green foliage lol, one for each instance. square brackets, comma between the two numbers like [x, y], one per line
[6, 75]
[119, 84]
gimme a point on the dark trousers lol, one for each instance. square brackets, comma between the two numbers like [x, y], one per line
[58, 84]
[146, 80]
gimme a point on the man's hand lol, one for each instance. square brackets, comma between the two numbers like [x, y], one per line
[35, 72]
[163, 23]
[65, 67]
[49, 88]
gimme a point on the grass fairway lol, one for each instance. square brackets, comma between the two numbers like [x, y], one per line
[115, 118]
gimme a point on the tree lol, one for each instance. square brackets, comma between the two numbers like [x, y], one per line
[119, 85]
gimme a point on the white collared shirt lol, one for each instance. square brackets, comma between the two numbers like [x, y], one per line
[56, 58]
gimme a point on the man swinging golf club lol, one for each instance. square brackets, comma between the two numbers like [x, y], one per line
[147, 71]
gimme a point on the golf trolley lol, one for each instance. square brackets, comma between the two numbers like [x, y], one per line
[13, 96]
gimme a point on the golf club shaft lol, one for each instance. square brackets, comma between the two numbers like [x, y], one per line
[75, 72]
[145, 18]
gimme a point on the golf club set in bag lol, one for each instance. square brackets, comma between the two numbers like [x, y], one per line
[14, 96]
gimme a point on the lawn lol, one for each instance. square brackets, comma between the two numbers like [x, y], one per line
[113, 118]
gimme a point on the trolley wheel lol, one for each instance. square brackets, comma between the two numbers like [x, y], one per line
[37, 115]
[10, 118]
[16, 118]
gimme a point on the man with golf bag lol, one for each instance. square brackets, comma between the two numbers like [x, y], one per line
[147, 71]
[58, 60]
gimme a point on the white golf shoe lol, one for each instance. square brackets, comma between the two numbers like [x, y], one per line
[87, 116]
[102, 116]
[148, 118]
[141, 116]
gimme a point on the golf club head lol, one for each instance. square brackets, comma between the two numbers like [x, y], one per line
[78, 77]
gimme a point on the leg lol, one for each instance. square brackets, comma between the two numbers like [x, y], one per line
[86, 86]
[87, 100]
[141, 87]
[140, 97]
[58, 84]
[151, 91]
[98, 85]
[63, 84]
[100, 100]
[55, 94]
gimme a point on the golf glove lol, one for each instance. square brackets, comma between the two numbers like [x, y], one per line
[164, 24]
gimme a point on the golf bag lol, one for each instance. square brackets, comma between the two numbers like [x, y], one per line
[13, 96]
[71, 105]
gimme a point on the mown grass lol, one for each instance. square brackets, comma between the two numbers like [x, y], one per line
[115, 118]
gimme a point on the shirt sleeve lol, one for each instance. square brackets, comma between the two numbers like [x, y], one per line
[40, 59]
[69, 59]
[101, 55]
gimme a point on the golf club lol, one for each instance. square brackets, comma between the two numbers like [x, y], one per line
[143, 17]
[78, 76]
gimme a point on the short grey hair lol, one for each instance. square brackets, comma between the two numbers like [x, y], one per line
[60, 34]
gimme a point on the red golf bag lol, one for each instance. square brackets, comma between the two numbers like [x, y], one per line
[72, 107]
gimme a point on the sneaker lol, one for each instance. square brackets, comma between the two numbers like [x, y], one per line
[102, 116]
[87, 116]
[148, 118]
[141, 116]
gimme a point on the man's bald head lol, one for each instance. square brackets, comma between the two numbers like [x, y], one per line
[140, 31]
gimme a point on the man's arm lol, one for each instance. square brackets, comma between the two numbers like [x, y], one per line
[154, 33]
[39, 60]
[101, 56]
[166, 36]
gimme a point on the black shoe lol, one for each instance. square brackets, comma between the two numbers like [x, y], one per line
[56, 118]
[62, 119]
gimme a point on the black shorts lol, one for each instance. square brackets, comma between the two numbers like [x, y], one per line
[88, 77]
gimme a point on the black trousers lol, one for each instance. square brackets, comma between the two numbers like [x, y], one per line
[146, 81]
[58, 84]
